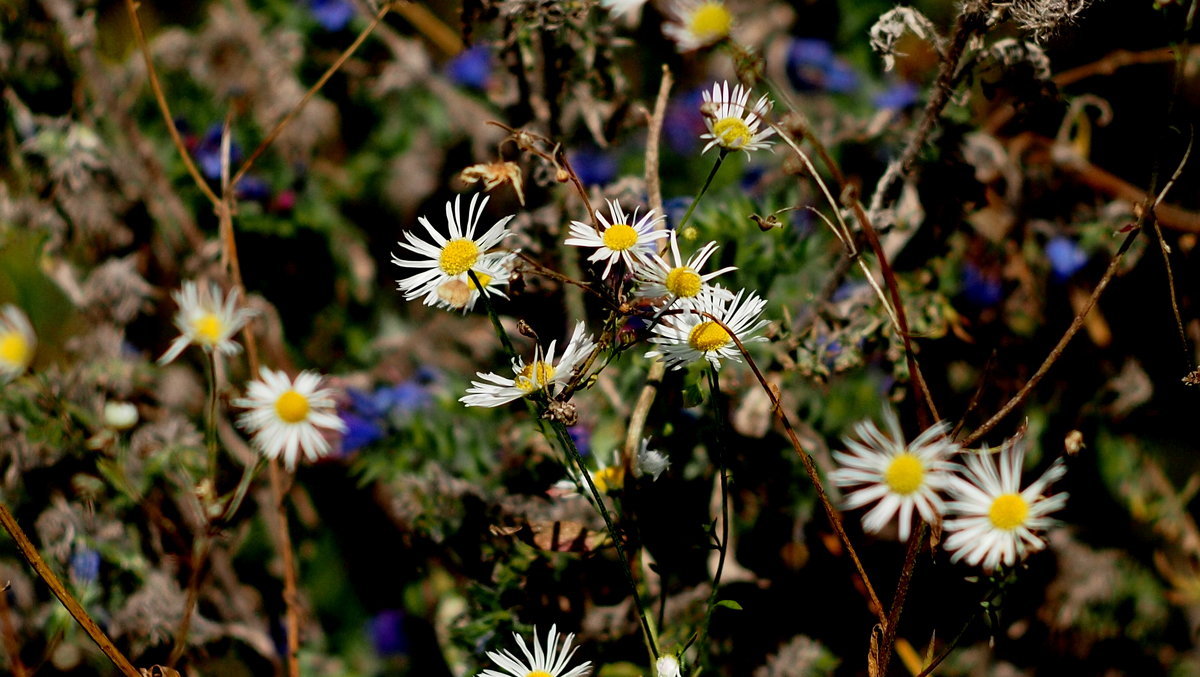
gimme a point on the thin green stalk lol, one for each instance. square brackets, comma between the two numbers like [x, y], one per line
[211, 424]
[568, 445]
[703, 189]
[714, 386]
[564, 438]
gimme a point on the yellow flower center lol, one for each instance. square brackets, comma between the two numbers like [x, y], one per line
[690, 233]
[620, 237]
[458, 256]
[484, 279]
[904, 474]
[539, 673]
[732, 132]
[707, 336]
[207, 329]
[526, 379]
[683, 282]
[14, 350]
[292, 407]
[711, 22]
[609, 479]
[1008, 511]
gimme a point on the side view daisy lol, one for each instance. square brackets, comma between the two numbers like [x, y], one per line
[901, 477]
[206, 320]
[17, 343]
[450, 257]
[688, 336]
[994, 520]
[542, 373]
[492, 271]
[730, 125]
[551, 662]
[697, 23]
[681, 280]
[624, 238]
[286, 417]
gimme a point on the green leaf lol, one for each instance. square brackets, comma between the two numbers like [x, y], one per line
[729, 604]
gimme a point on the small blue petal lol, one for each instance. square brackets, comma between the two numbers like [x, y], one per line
[594, 167]
[471, 68]
[85, 565]
[899, 96]
[359, 432]
[981, 289]
[387, 633]
[812, 66]
[1066, 257]
[333, 15]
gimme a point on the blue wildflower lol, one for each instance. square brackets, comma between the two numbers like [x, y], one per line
[387, 633]
[333, 15]
[900, 95]
[85, 565]
[812, 66]
[1066, 257]
[253, 188]
[582, 437]
[594, 167]
[982, 289]
[675, 208]
[208, 153]
[471, 67]
[360, 431]
[683, 124]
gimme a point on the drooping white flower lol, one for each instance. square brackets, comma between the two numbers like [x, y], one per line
[286, 417]
[687, 336]
[697, 23]
[619, 8]
[650, 461]
[207, 321]
[901, 477]
[460, 293]
[730, 124]
[550, 662]
[448, 258]
[542, 373]
[667, 666]
[120, 415]
[17, 343]
[680, 279]
[993, 521]
[626, 238]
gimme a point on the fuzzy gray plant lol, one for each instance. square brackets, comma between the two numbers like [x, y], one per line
[1045, 18]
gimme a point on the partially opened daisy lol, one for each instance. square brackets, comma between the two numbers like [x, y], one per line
[450, 257]
[286, 417]
[899, 477]
[492, 271]
[624, 238]
[542, 373]
[994, 520]
[678, 279]
[687, 336]
[622, 7]
[207, 320]
[17, 343]
[551, 662]
[697, 23]
[730, 124]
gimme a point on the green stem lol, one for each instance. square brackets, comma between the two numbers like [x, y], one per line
[564, 438]
[211, 423]
[714, 387]
[703, 189]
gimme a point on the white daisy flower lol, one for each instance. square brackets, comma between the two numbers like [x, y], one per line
[730, 125]
[688, 336]
[650, 461]
[667, 666]
[899, 476]
[618, 8]
[17, 343]
[625, 238]
[995, 520]
[541, 373]
[552, 662]
[697, 23]
[681, 280]
[448, 258]
[607, 478]
[285, 416]
[206, 320]
[459, 293]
